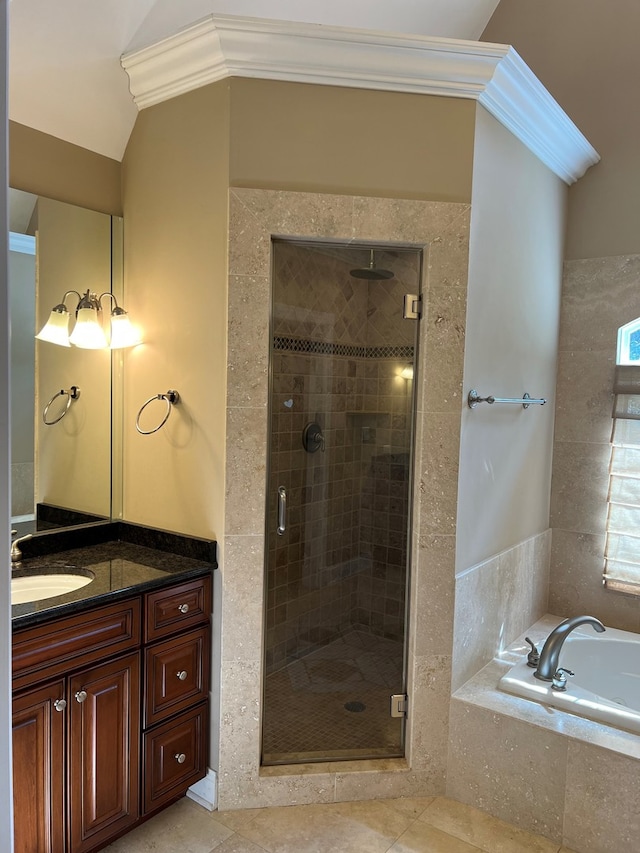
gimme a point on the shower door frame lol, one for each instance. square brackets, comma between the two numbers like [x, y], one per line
[305, 242]
[442, 228]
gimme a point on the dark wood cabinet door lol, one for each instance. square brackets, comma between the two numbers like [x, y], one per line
[104, 737]
[39, 718]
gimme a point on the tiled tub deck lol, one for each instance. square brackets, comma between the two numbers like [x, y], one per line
[550, 772]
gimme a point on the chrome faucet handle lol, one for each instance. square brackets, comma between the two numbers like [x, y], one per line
[559, 681]
[16, 553]
[533, 658]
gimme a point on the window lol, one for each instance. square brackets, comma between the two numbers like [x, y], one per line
[622, 549]
[629, 343]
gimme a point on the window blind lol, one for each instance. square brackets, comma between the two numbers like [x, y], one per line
[622, 548]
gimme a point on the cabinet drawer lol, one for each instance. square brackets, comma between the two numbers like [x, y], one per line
[177, 608]
[175, 756]
[57, 647]
[176, 675]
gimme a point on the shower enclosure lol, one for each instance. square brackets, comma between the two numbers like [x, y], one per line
[343, 356]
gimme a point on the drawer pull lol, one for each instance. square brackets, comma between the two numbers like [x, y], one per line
[183, 608]
[81, 695]
[180, 757]
[182, 675]
[60, 704]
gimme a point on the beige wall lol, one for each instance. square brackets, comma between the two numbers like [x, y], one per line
[515, 269]
[51, 167]
[73, 457]
[175, 215]
[513, 303]
[585, 52]
[181, 158]
[302, 137]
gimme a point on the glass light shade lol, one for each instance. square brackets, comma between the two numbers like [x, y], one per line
[407, 372]
[88, 333]
[123, 334]
[56, 329]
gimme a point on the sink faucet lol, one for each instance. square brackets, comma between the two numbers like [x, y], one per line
[16, 553]
[550, 654]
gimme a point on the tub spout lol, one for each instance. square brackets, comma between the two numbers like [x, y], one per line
[550, 654]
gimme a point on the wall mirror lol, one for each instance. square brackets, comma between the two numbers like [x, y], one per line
[65, 424]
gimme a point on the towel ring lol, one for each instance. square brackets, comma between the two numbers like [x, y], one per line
[72, 394]
[170, 398]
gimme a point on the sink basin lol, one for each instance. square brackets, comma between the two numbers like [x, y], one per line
[47, 585]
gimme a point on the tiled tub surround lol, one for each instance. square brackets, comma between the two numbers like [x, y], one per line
[441, 229]
[547, 771]
[496, 600]
[598, 296]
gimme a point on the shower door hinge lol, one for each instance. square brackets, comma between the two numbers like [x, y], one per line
[412, 306]
[399, 703]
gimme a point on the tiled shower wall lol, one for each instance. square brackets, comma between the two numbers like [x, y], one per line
[443, 230]
[339, 344]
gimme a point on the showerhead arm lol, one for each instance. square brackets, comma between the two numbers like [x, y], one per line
[372, 273]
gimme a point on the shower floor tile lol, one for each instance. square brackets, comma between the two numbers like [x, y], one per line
[334, 703]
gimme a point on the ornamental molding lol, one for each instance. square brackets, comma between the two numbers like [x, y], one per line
[222, 46]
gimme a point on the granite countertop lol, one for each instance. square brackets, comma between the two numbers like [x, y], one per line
[118, 570]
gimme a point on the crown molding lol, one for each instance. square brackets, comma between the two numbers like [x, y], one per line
[222, 46]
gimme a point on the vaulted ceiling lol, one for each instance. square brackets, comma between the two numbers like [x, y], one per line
[65, 76]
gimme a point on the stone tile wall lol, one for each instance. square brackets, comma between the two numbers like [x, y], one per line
[442, 230]
[599, 295]
[496, 601]
[568, 778]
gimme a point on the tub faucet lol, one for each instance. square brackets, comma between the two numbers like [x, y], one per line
[550, 654]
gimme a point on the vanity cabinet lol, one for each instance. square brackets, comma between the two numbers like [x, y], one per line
[110, 717]
[103, 751]
[38, 762]
[177, 642]
[101, 758]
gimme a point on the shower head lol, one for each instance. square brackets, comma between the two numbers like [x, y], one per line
[372, 272]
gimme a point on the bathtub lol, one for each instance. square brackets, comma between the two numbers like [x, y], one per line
[606, 686]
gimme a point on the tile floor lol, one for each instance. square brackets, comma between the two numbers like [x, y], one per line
[424, 825]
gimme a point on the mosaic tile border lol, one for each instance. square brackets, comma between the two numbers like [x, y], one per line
[284, 344]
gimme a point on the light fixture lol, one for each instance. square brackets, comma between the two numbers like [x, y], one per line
[88, 332]
[407, 372]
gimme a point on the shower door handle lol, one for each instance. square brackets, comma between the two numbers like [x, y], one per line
[282, 510]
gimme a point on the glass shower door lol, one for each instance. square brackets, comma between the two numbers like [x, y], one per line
[341, 421]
